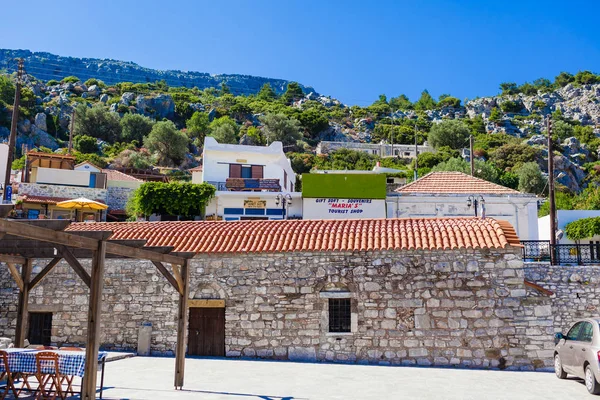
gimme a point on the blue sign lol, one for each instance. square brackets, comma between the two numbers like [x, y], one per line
[9, 192]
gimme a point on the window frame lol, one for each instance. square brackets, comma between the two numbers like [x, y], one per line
[582, 338]
[577, 326]
[339, 315]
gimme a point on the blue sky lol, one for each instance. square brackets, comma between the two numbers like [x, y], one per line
[352, 50]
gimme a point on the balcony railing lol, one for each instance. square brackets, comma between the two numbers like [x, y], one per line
[580, 254]
[219, 185]
[253, 184]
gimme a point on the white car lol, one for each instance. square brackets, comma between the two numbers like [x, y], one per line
[578, 353]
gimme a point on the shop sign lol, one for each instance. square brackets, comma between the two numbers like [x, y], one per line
[255, 204]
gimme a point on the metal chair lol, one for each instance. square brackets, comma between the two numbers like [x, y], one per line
[6, 373]
[48, 372]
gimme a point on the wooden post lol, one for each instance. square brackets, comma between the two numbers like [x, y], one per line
[182, 315]
[88, 386]
[23, 303]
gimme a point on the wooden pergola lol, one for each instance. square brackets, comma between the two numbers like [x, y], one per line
[22, 241]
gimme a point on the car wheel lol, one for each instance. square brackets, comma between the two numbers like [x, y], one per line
[558, 369]
[590, 381]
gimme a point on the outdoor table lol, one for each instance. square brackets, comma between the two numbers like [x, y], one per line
[69, 362]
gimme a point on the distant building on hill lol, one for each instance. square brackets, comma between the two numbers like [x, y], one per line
[382, 149]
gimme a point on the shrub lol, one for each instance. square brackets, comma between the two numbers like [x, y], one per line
[510, 106]
[52, 82]
[70, 79]
[85, 144]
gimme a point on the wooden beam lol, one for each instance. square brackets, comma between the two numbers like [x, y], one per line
[30, 231]
[143, 254]
[74, 240]
[23, 303]
[38, 278]
[206, 303]
[88, 385]
[177, 275]
[52, 224]
[74, 263]
[163, 270]
[8, 258]
[182, 316]
[15, 274]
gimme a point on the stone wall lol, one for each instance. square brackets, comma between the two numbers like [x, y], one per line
[72, 192]
[576, 291]
[467, 308]
[118, 197]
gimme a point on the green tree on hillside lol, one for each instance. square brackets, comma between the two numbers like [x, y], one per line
[197, 127]
[169, 144]
[135, 127]
[509, 88]
[425, 102]
[483, 170]
[224, 89]
[531, 179]
[266, 93]
[97, 122]
[85, 144]
[278, 127]
[7, 91]
[451, 133]
[224, 130]
[401, 103]
[563, 79]
[314, 121]
[293, 93]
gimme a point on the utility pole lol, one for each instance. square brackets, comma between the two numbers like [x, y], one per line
[471, 157]
[551, 193]
[72, 126]
[13, 132]
[416, 174]
[392, 134]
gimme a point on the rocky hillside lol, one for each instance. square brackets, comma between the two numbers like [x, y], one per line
[47, 66]
[509, 128]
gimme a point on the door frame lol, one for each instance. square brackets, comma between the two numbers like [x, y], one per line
[202, 303]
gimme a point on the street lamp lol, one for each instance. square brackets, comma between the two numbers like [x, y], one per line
[285, 202]
[475, 201]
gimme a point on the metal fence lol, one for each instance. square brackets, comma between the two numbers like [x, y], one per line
[579, 254]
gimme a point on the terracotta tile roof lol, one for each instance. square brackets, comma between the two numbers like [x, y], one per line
[454, 183]
[43, 199]
[315, 235]
[114, 175]
[48, 199]
[199, 168]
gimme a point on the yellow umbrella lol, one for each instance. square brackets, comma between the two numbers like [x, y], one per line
[82, 202]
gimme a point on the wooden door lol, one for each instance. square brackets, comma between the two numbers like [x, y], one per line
[40, 328]
[206, 336]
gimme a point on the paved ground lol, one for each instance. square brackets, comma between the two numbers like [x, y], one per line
[152, 378]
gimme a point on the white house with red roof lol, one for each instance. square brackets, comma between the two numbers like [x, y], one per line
[455, 194]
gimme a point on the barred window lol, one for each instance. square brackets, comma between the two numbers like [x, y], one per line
[339, 315]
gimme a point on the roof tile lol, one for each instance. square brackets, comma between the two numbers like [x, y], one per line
[454, 183]
[314, 235]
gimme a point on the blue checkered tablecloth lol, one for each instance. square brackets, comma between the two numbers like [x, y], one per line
[69, 362]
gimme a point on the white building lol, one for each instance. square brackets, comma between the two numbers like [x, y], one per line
[563, 217]
[378, 149]
[249, 180]
[447, 194]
